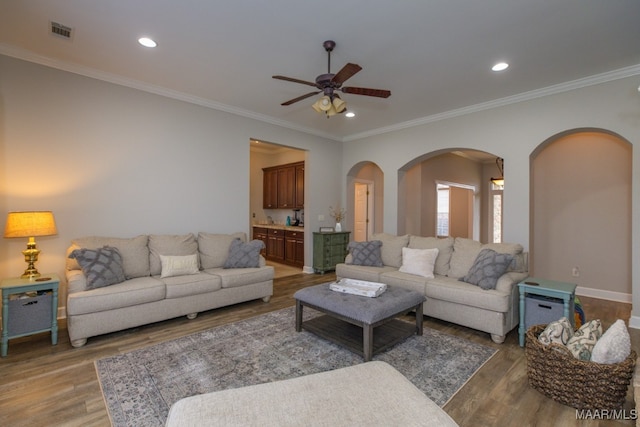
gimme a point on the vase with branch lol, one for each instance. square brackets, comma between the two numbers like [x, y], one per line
[338, 215]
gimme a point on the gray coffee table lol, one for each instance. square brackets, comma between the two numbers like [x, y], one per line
[350, 320]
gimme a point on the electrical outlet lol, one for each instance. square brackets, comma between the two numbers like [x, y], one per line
[575, 272]
[320, 217]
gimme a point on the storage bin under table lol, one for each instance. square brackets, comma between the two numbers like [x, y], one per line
[543, 301]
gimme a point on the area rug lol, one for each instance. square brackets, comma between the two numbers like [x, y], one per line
[139, 387]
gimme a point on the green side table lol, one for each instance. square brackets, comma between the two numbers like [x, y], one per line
[30, 313]
[329, 249]
[547, 288]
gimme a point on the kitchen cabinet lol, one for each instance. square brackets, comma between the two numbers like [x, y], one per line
[270, 189]
[275, 244]
[294, 247]
[283, 186]
[260, 233]
[329, 249]
[299, 186]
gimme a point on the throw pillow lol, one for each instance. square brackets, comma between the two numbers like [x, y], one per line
[244, 255]
[558, 332]
[102, 267]
[487, 269]
[391, 250]
[584, 339]
[614, 346]
[366, 253]
[420, 262]
[178, 265]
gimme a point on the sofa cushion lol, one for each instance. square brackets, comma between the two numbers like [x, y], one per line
[244, 255]
[128, 293]
[167, 244]
[391, 250]
[465, 252]
[365, 253]
[404, 280]
[236, 277]
[419, 262]
[214, 248]
[102, 266]
[134, 252]
[455, 291]
[359, 272]
[488, 267]
[194, 284]
[178, 265]
[445, 250]
[514, 249]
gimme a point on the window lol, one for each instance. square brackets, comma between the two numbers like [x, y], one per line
[496, 213]
[442, 225]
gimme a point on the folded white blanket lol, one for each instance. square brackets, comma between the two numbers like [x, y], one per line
[358, 287]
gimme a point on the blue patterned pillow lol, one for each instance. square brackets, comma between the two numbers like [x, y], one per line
[487, 269]
[366, 253]
[102, 267]
[244, 255]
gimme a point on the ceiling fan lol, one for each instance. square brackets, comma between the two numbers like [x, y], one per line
[330, 103]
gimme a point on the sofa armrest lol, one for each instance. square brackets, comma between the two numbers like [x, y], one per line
[76, 281]
[508, 281]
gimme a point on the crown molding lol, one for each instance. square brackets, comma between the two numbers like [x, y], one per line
[622, 73]
[15, 52]
[25, 55]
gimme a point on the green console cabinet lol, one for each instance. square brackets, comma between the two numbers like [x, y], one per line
[329, 249]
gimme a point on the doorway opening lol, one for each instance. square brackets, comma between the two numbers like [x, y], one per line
[363, 210]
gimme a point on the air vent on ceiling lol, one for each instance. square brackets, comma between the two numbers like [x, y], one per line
[60, 30]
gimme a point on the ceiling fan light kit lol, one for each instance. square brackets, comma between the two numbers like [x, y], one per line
[330, 103]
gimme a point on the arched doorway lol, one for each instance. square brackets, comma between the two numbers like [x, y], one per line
[581, 211]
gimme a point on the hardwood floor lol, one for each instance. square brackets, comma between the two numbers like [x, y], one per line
[44, 385]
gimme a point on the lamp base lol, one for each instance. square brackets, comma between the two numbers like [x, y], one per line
[30, 257]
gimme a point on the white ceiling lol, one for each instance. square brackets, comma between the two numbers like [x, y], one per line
[433, 55]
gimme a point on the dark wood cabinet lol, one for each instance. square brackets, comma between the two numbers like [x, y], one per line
[283, 186]
[275, 244]
[299, 176]
[294, 247]
[260, 233]
[284, 246]
[270, 189]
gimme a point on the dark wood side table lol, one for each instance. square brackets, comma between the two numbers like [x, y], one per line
[32, 309]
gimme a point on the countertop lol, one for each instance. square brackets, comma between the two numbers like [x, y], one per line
[280, 227]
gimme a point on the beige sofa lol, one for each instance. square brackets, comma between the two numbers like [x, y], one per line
[494, 310]
[368, 394]
[145, 296]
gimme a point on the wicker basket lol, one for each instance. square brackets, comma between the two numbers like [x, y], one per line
[556, 373]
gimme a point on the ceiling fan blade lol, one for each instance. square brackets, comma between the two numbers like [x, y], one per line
[291, 79]
[300, 98]
[380, 93]
[345, 73]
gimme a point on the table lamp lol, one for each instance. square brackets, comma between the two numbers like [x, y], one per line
[30, 224]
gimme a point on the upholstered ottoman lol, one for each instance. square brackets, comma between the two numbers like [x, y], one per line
[369, 394]
[343, 312]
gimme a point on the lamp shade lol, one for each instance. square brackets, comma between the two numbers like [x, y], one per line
[30, 224]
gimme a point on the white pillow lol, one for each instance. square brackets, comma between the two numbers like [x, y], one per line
[178, 265]
[614, 346]
[419, 261]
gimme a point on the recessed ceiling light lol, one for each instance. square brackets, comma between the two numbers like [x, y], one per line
[350, 114]
[147, 42]
[500, 66]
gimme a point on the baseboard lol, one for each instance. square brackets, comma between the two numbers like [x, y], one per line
[308, 270]
[600, 294]
[634, 322]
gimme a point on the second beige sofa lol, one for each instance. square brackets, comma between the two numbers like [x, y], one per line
[494, 310]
